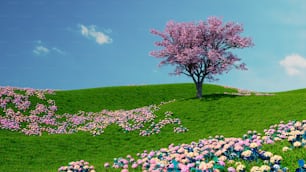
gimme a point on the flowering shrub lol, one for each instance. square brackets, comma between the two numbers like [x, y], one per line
[17, 113]
[78, 166]
[221, 154]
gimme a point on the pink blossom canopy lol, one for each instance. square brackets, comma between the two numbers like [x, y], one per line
[200, 50]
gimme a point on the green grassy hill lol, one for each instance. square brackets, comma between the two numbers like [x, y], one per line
[215, 114]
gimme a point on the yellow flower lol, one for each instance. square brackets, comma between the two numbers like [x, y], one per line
[230, 161]
[265, 168]
[277, 139]
[238, 163]
[240, 167]
[191, 154]
[264, 137]
[285, 149]
[253, 145]
[184, 161]
[255, 169]
[222, 158]
[211, 162]
[246, 153]
[268, 154]
[203, 166]
[210, 165]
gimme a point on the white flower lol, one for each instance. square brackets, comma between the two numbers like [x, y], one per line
[275, 158]
[298, 124]
[276, 166]
[291, 138]
[297, 144]
[76, 167]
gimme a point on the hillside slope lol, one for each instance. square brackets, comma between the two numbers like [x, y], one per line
[215, 114]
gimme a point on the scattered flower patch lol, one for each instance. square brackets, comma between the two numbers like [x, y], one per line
[221, 154]
[78, 166]
[17, 113]
[243, 92]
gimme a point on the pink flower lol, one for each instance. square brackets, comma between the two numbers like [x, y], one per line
[135, 165]
[231, 169]
[221, 163]
[269, 141]
[106, 165]
[152, 161]
[182, 166]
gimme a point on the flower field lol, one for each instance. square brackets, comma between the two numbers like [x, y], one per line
[163, 130]
[17, 115]
[222, 154]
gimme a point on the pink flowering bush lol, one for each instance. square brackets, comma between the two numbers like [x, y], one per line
[17, 113]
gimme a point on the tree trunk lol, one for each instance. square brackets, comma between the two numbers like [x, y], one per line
[199, 86]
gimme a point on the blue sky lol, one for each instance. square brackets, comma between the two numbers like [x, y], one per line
[65, 44]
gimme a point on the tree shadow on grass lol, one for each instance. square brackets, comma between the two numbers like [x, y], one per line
[214, 96]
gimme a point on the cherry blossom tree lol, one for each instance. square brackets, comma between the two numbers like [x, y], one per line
[201, 50]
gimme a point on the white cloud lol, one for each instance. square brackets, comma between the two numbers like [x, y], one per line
[294, 64]
[41, 50]
[90, 32]
[59, 51]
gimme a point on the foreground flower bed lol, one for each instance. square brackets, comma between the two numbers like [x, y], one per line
[221, 154]
[18, 113]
